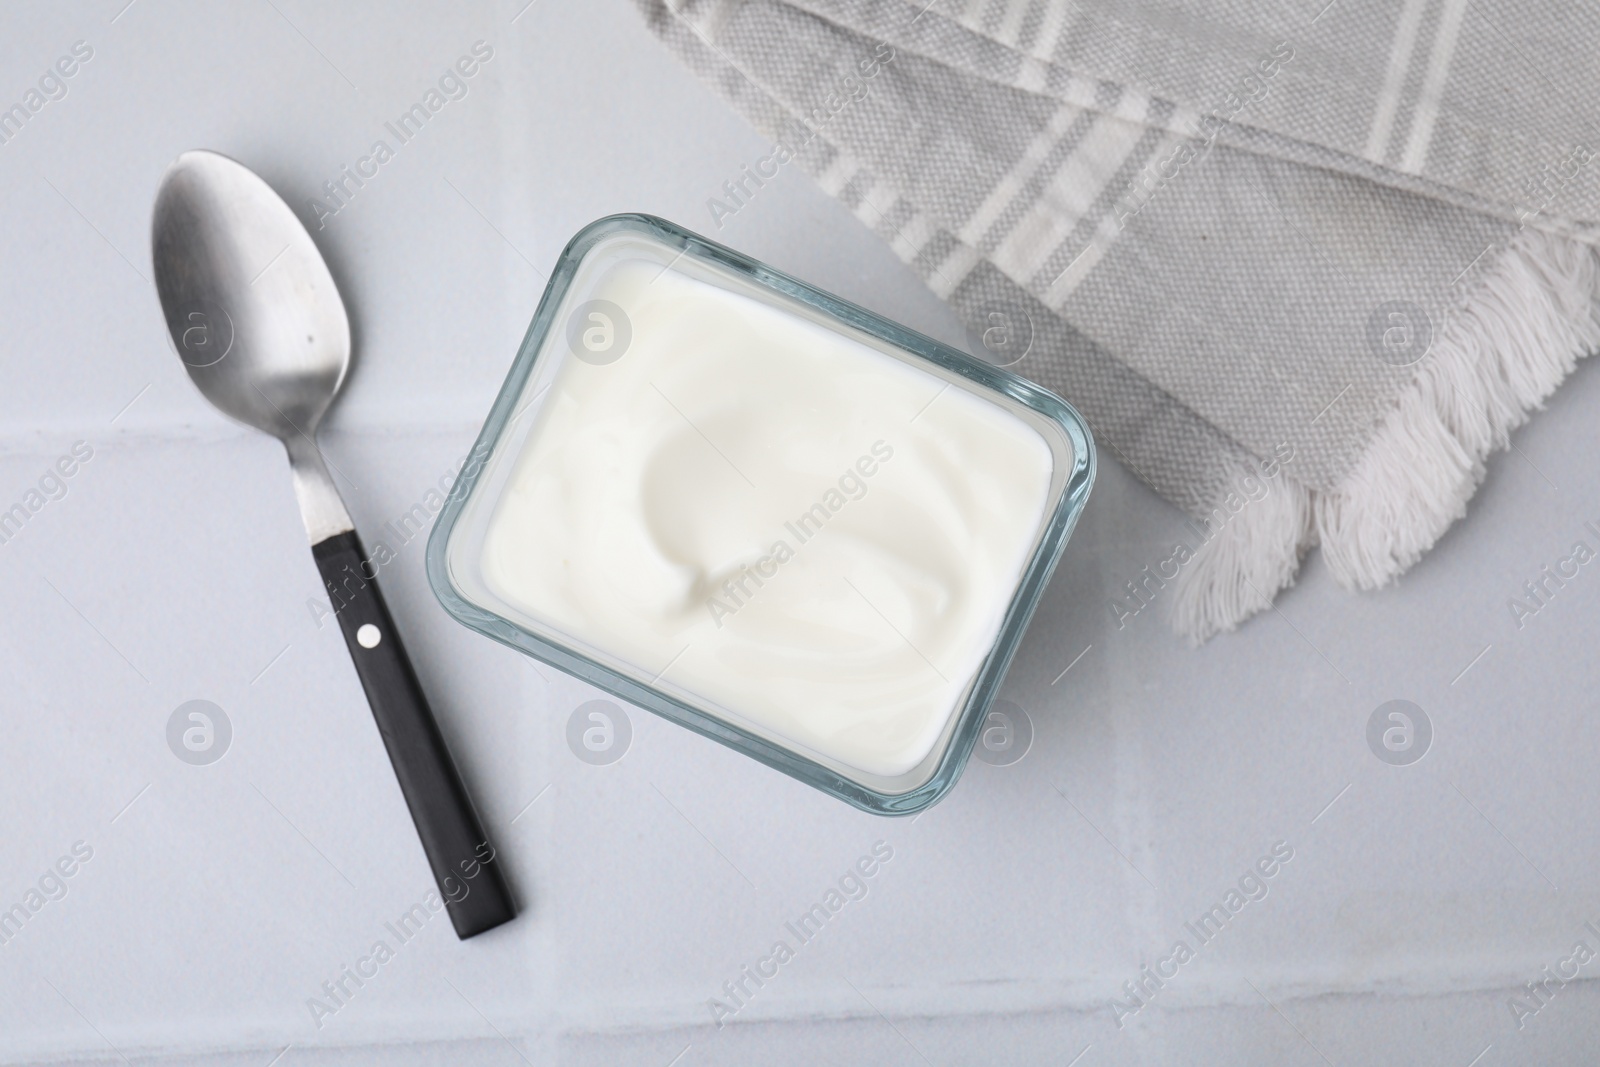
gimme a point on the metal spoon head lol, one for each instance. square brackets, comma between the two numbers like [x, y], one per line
[250, 305]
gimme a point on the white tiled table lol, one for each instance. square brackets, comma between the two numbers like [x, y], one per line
[218, 899]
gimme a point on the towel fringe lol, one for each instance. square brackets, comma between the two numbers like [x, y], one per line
[1531, 317]
[1253, 554]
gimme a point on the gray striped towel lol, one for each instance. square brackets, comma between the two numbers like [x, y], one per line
[1302, 265]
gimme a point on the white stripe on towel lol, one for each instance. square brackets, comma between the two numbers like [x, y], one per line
[1405, 40]
[1427, 112]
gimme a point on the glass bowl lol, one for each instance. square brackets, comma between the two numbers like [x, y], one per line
[549, 409]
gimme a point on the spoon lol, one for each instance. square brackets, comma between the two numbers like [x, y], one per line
[258, 323]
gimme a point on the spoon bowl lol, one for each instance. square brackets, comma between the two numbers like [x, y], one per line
[249, 303]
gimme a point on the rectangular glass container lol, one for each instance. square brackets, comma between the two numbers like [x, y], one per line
[801, 370]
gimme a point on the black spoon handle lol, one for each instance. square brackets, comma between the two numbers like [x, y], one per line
[464, 863]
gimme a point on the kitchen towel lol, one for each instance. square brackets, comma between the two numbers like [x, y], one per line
[1302, 266]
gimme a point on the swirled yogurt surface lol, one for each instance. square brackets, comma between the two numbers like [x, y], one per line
[754, 508]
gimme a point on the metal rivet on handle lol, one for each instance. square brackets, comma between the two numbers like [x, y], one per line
[368, 635]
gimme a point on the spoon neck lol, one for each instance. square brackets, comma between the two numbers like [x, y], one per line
[320, 504]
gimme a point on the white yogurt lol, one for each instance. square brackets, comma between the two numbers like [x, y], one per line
[773, 517]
